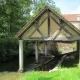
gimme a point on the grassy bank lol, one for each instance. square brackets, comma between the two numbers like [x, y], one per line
[61, 74]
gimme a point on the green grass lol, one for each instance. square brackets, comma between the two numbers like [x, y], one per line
[61, 74]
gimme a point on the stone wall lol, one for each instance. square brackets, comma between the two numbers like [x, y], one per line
[53, 47]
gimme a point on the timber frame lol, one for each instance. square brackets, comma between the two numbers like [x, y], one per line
[47, 25]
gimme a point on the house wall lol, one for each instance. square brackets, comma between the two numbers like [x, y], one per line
[76, 24]
[73, 18]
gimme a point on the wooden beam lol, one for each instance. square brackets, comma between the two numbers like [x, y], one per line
[45, 48]
[77, 46]
[61, 26]
[21, 32]
[33, 38]
[40, 32]
[67, 22]
[78, 50]
[38, 27]
[56, 22]
[67, 32]
[62, 38]
[73, 27]
[65, 38]
[48, 60]
[48, 23]
[59, 62]
[55, 34]
[36, 52]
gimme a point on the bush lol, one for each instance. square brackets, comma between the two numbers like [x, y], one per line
[8, 48]
[60, 51]
[74, 46]
[28, 48]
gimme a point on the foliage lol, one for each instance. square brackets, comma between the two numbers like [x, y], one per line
[61, 74]
[13, 15]
[60, 51]
[38, 4]
[74, 46]
[8, 48]
[28, 48]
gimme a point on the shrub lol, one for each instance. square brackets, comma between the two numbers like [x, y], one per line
[8, 48]
[28, 48]
[60, 51]
[74, 47]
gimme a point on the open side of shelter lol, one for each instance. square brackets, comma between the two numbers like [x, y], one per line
[46, 26]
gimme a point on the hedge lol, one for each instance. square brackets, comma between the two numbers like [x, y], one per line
[9, 48]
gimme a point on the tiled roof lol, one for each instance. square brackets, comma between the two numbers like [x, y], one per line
[71, 17]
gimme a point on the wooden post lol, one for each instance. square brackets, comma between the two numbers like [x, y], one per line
[77, 45]
[45, 48]
[78, 49]
[36, 52]
[48, 23]
[21, 55]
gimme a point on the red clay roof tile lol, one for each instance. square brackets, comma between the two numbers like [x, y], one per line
[71, 17]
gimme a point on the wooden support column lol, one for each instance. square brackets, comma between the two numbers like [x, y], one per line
[45, 48]
[77, 45]
[48, 23]
[36, 52]
[21, 55]
[78, 49]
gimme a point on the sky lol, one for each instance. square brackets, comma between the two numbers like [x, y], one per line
[68, 6]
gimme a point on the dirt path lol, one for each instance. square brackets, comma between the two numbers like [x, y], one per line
[10, 75]
[9, 69]
[15, 75]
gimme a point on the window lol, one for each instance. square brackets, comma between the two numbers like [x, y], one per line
[78, 18]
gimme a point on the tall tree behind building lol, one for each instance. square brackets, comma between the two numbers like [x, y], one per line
[13, 15]
[38, 4]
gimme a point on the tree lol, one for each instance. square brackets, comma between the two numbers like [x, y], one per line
[38, 4]
[14, 14]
